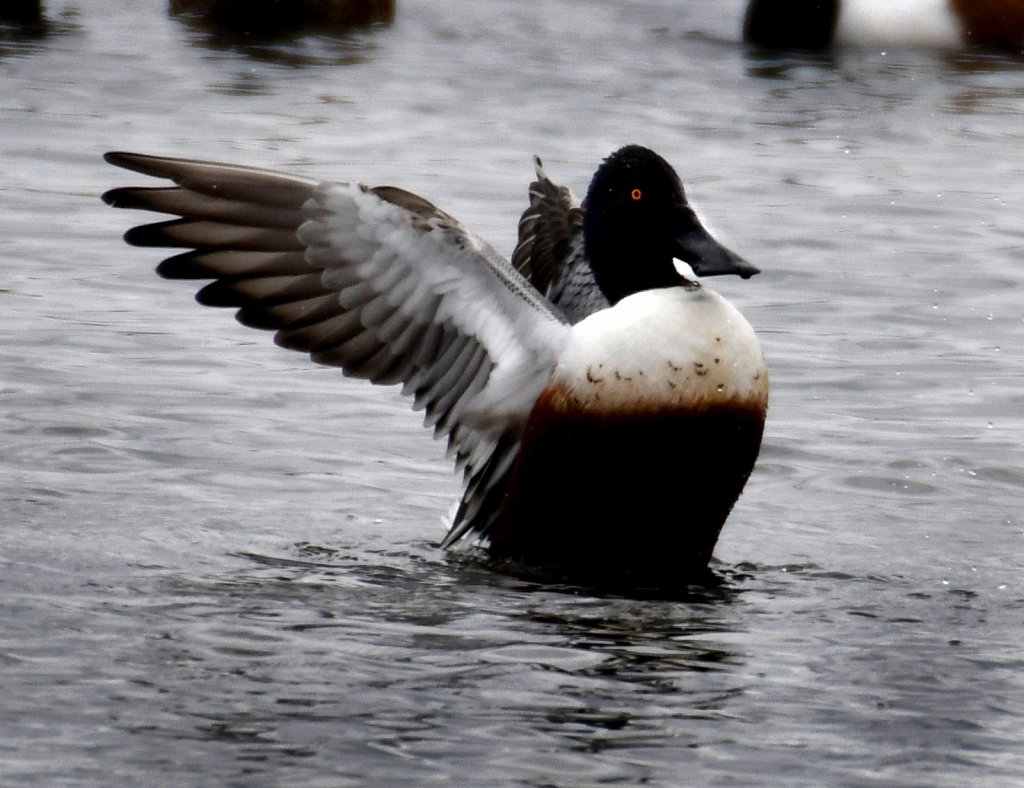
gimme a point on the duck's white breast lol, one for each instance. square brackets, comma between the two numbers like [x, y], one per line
[903, 22]
[666, 349]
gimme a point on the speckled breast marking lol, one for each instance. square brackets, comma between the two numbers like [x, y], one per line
[668, 351]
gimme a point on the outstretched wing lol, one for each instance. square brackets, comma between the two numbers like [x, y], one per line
[377, 281]
[549, 250]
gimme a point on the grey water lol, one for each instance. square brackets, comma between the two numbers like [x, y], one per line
[218, 561]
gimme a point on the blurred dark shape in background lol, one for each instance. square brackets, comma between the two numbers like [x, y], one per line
[273, 17]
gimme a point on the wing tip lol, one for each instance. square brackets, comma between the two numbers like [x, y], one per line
[136, 162]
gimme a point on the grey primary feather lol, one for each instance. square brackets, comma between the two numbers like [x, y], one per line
[379, 282]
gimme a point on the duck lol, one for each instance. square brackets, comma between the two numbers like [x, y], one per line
[21, 12]
[948, 24]
[274, 16]
[604, 407]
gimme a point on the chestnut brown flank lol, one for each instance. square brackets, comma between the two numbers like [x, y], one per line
[619, 493]
[991, 22]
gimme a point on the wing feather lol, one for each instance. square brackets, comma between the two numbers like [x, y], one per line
[547, 229]
[226, 263]
[550, 252]
[379, 282]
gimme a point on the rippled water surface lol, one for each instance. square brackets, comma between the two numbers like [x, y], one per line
[218, 562]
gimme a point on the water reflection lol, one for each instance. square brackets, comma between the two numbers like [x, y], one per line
[639, 642]
[809, 66]
[24, 26]
[291, 49]
[769, 64]
[325, 656]
[286, 34]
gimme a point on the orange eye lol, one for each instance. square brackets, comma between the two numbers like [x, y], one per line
[636, 194]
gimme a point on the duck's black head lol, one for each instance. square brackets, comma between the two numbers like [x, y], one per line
[636, 221]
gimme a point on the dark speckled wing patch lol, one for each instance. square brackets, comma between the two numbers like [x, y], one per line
[547, 230]
[549, 249]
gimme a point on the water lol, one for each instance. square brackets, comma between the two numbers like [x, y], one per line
[218, 562]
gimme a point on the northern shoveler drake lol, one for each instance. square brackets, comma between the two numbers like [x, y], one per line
[816, 24]
[604, 408]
